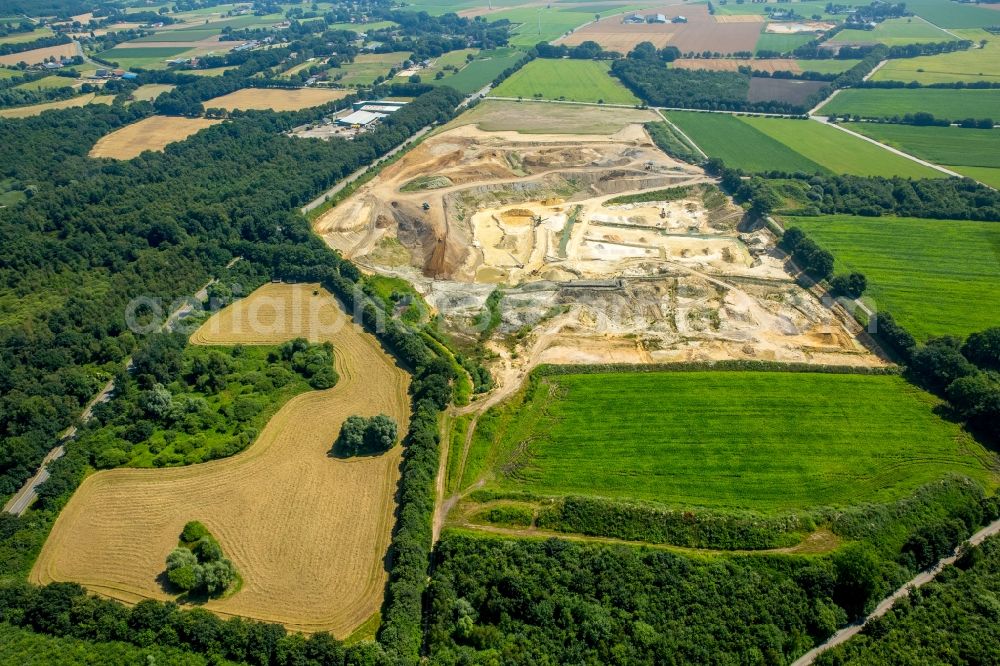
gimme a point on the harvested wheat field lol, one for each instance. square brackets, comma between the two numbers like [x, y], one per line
[153, 133]
[732, 64]
[307, 532]
[35, 109]
[36, 56]
[275, 99]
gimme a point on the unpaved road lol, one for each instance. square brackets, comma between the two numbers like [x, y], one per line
[826, 121]
[921, 578]
[26, 496]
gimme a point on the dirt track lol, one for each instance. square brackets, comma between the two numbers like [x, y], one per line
[307, 532]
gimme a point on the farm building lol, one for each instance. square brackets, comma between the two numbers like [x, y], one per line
[360, 119]
[633, 19]
[656, 18]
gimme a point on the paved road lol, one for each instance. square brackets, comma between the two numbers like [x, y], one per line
[26, 496]
[922, 578]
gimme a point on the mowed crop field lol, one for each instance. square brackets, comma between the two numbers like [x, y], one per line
[976, 64]
[740, 145]
[936, 277]
[953, 146]
[573, 80]
[943, 103]
[152, 133]
[748, 440]
[838, 151]
[307, 532]
[275, 99]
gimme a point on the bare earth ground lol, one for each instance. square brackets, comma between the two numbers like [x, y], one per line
[585, 282]
[308, 533]
[702, 32]
[276, 99]
[153, 133]
[36, 56]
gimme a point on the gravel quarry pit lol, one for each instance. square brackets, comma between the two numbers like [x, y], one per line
[584, 279]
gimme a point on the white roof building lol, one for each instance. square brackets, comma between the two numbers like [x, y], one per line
[360, 118]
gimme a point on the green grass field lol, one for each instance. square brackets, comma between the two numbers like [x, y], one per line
[910, 30]
[781, 43]
[23, 37]
[827, 66]
[48, 82]
[546, 23]
[192, 35]
[942, 145]
[953, 14]
[936, 277]
[976, 64]
[738, 144]
[838, 151]
[943, 103]
[146, 58]
[483, 70]
[768, 441]
[367, 67]
[573, 80]
[986, 175]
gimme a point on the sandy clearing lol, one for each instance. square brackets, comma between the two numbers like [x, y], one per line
[307, 532]
[275, 99]
[36, 56]
[153, 133]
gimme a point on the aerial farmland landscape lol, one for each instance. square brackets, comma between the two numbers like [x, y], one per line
[507, 332]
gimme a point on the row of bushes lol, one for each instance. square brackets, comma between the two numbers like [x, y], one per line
[742, 365]
[691, 529]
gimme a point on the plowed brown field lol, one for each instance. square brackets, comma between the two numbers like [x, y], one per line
[308, 533]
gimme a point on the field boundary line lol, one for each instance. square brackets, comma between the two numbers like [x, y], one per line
[922, 578]
[682, 133]
[935, 25]
[937, 167]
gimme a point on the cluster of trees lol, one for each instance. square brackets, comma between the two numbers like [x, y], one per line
[530, 601]
[873, 196]
[810, 257]
[429, 36]
[965, 372]
[645, 73]
[65, 609]
[312, 361]
[365, 436]
[958, 609]
[197, 566]
[925, 119]
[588, 50]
